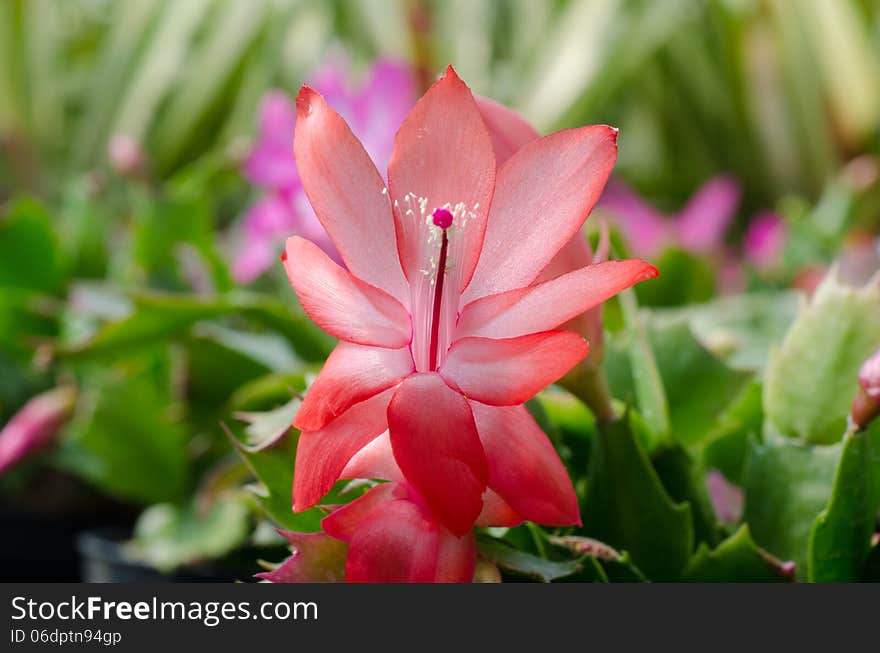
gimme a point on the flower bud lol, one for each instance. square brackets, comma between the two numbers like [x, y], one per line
[866, 405]
[35, 425]
[126, 155]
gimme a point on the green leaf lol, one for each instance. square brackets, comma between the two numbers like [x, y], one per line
[684, 279]
[29, 254]
[736, 560]
[841, 537]
[787, 484]
[741, 329]
[167, 536]
[685, 482]
[811, 380]
[698, 386]
[628, 508]
[158, 316]
[728, 443]
[265, 428]
[273, 468]
[124, 438]
[649, 388]
[526, 564]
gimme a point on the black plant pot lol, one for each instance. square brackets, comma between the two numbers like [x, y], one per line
[40, 522]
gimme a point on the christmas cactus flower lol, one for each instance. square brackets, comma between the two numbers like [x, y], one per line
[374, 109]
[444, 332]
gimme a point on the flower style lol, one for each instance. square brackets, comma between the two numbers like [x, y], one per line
[444, 329]
[374, 110]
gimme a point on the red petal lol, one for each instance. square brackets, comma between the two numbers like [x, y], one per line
[376, 460]
[343, 522]
[351, 374]
[511, 371]
[340, 303]
[443, 153]
[507, 129]
[542, 196]
[524, 468]
[549, 304]
[397, 544]
[496, 511]
[322, 455]
[345, 190]
[456, 558]
[437, 447]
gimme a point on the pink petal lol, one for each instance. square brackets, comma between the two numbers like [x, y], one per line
[543, 195]
[456, 558]
[511, 371]
[643, 226]
[574, 255]
[345, 190]
[263, 227]
[318, 558]
[524, 468]
[351, 374]
[340, 303]
[508, 130]
[375, 461]
[322, 455]
[496, 512]
[702, 223]
[397, 544]
[436, 445]
[549, 304]
[727, 499]
[270, 163]
[443, 153]
[35, 425]
[764, 240]
[343, 522]
[386, 97]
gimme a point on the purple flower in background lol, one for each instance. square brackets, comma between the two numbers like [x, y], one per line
[699, 227]
[35, 425]
[374, 109]
[764, 240]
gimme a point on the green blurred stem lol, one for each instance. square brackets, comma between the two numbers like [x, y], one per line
[587, 382]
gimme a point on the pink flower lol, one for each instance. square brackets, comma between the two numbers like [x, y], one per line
[444, 332]
[699, 227]
[866, 405]
[727, 499]
[35, 425]
[764, 240]
[374, 110]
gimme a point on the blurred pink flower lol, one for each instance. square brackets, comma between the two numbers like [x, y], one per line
[35, 425]
[764, 240]
[374, 109]
[866, 405]
[727, 499]
[698, 227]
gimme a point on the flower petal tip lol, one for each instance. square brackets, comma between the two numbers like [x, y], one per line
[305, 101]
